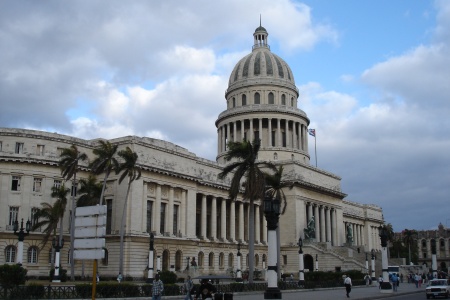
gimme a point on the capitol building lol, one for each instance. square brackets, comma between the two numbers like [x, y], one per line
[180, 198]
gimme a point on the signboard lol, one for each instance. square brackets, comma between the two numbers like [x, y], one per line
[89, 243]
[90, 231]
[89, 254]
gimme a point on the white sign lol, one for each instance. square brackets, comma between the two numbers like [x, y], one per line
[90, 221]
[95, 243]
[90, 232]
[90, 210]
[89, 254]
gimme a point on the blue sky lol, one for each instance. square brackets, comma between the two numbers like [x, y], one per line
[373, 79]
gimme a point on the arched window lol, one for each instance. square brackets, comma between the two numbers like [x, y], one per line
[201, 257]
[165, 260]
[178, 260]
[257, 98]
[264, 258]
[271, 98]
[211, 260]
[244, 100]
[424, 243]
[32, 255]
[234, 102]
[221, 260]
[10, 254]
[283, 99]
[105, 259]
[230, 260]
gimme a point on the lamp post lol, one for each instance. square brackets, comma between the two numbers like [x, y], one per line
[385, 285]
[373, 265]
[272, 213]
[57, 245]
[21, 235]
[367, 265]
[158, 264]
[150, 258]
[301, 267]
[433, 258]
[238, 269]
[317, 262]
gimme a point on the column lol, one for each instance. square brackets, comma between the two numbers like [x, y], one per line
[228, 139]
[218, 140]
[241, 221]
[251, 135]
[169, 219]
[223, 219]
[257, 224]
[269, 128]
[264, 237]
[234, 131]
[213, 217]
[317, 220]
[232, 221]
[224, 142]
[328, 216]
[242, 129]
[310, 211]
[322, 224]
[156, 214]
[278, 137]
[183, 225]
[204, 216]
[260, 131]
[335, 229]
[286, 132]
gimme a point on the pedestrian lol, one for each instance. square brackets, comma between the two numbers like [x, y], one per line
[119, 277]
[188, 286]
[367, 279]
[157, 288]
[292, 277]
[194, 264]
[348, 285]
[98, 278]
[401, 277]
[206, 290]
[380, 281]
[416, 280]
[394, 280]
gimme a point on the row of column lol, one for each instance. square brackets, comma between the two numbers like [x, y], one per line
[325, 219]
[269, 133]
[374, 234]
[357, 233]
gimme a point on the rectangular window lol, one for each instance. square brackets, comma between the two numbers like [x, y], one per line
[57, 183]
[283, 137]
[108, 216]
[73, 191]
[59, 151]
[40, 150]
[256, 132]
[175, 219]
[162, 227]
[149, 216]
[0, 146]
[34, 219]
[13, 214]
[15, 184]
[19, 148]
[284, 259]
[273, 138]
[37, 185]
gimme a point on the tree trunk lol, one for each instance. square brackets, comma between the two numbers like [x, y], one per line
[122, 229]
[251, 242]
[278, 252]
[103, 187]
[72, 229]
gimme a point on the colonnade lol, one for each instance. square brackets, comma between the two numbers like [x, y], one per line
[325, 218]
[271, 131]
[357, 233]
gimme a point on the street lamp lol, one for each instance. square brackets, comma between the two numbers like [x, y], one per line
[367, 265]
[385, 285]
[21, 235]
[272, 213]
[57, 245]
[239, 256]
[150, 258]
[317, 262]
[301, 267]
[373, 265]
[433, 258]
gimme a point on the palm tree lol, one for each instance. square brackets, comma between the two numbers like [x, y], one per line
[69, 159]
[90, 191]
[130, 170]
[104, 162]
[246, 167]
[408, 238]
[390, 235]
[275, 186]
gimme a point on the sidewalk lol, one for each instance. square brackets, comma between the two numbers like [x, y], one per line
[359, 292]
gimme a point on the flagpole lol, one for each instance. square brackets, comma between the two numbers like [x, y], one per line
[315, 147]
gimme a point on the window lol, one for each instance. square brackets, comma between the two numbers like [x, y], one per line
[57, 183]
[59, 151]
[211, 259]
[40, 150]
[105, 259]
[163, 218]
[51, 258]
[283, 99]
[292, 102]
[271, 98]
[257, 98]
[0, 146]
[284, 259]
[175, 219]
[221, 259]
[230, 260]
[73, 191]
[424, 243]
[10, 254]
[149, 215]
[13, 214]
[108, 216]
[37, 185]
[32, 255]
[424, 255]
[244, 100]
[442, 243]
[19, 148]
[201, 257]
[15, 184]
[234, 103]
[34, 219]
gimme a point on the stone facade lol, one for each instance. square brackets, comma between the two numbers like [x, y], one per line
[180, 198]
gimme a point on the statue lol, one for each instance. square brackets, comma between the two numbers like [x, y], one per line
[349, 234]
[310, 230]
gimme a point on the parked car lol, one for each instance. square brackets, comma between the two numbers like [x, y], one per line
[438, 288]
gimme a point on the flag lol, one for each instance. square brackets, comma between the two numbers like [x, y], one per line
[312, 132]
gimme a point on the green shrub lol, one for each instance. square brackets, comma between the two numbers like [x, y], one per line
[35, 291]
[12, 275]
[83, 290]
[62, 274]
[168, 277]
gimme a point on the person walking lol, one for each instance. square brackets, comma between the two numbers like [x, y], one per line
[348, 285]
[157, 288]
[188, 285]
[416, 280]
[380, 281]
[119, 278]
[206, 290]
[394, 280]
[367, 279]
